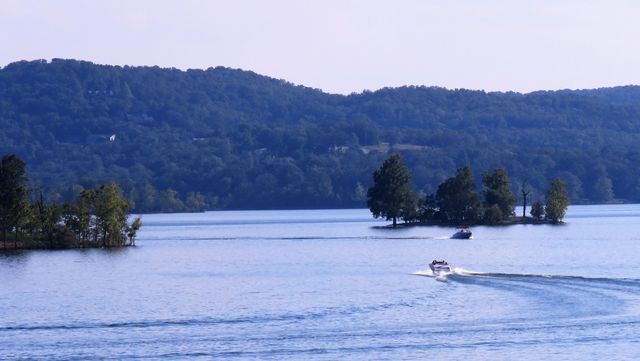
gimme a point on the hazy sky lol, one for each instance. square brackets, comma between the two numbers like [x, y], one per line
[344, 46]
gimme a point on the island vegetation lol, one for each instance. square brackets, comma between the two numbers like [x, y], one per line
[98, 218]
[222, 138]
[456, 200]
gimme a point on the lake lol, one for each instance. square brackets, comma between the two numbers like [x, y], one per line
[329, 284]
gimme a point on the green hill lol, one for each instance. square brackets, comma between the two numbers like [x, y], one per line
[229, 139]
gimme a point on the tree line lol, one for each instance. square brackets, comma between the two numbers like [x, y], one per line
[223, 138]
[456, 199]
[98, 218]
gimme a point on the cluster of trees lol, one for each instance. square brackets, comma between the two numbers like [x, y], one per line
[98, 218]
[229, 139]
[456, 199]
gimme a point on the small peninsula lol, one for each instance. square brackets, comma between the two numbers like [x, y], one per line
[99, 218]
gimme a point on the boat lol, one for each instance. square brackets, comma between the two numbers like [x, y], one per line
[463, 232]
[438, 267]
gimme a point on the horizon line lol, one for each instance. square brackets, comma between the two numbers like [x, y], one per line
[363, 91]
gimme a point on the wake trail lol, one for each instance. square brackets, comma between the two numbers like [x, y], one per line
[459, 273]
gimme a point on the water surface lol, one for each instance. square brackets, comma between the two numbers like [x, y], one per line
[329, 284]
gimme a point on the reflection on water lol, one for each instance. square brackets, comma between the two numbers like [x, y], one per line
[13, 259]
[325, 284]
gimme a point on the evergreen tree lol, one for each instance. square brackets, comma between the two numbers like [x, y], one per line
[391, 196]
[457, 198]
[497, 192]
[557, 201]
[14, 206]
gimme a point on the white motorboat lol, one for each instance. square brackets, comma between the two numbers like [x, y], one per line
[438, 267]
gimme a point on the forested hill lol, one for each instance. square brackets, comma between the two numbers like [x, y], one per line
[230, 139]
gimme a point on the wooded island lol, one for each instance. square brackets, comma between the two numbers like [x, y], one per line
[456, 199]
[98, 218]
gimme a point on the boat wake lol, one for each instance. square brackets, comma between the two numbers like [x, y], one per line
[548, 296]
[440, 276]
[458, 273]
[466, 276]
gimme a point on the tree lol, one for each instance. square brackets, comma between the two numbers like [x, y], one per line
[602, 190]
[14, 206]
[132, 230]
[537, 210]
[111, 212]
[195, 202]
[557, 201]
[168, 199]
[525, 193]
[391, 196]
[497, 192]
[410, 212]
[45, 222]
[100, 218]
[457, 198]
[428, 208]
[77, 217]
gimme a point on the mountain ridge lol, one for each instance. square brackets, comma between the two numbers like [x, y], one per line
[225, 138]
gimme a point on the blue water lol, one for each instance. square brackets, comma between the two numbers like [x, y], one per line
[331, 284]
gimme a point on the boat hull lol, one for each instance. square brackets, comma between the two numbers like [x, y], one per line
[461, 235]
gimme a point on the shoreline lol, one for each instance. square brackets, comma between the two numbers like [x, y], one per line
[10, 245]
[504, 223]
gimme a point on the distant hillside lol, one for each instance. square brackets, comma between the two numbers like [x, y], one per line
[229, 139]
[621, 95]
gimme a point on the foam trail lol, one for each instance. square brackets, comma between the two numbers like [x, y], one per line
[442, 277]
[459, 271]
[425, 273]
[531, 277]
[465, 272]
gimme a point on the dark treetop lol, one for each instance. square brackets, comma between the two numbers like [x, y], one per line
[391, 196]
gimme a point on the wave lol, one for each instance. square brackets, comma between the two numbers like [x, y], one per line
[262, 319]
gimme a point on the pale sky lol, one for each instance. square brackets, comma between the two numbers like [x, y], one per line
[344, 46]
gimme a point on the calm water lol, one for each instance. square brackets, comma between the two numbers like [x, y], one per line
[329, 284]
